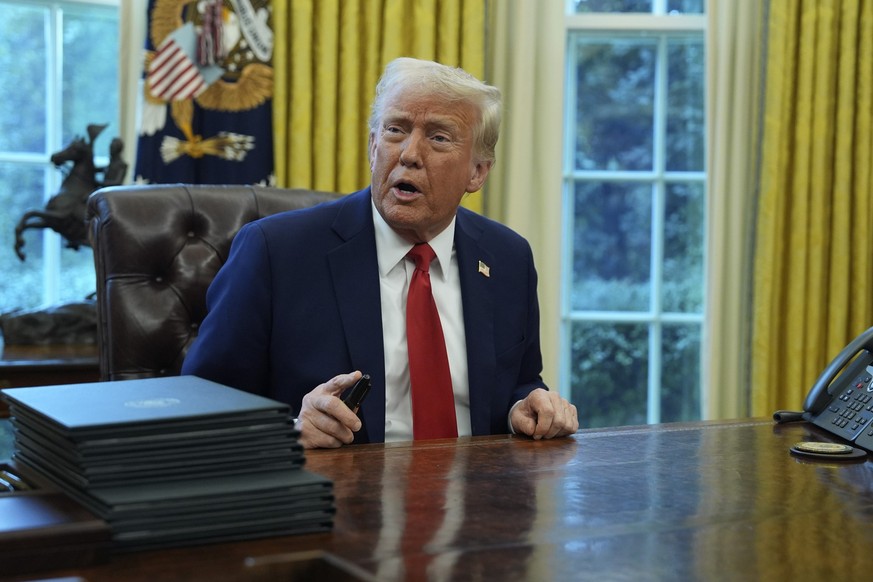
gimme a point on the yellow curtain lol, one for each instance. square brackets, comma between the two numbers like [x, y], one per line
[814, 251]
[328, 56]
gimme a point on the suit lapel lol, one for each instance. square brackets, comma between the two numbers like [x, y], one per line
[355, 272]
[478, 300]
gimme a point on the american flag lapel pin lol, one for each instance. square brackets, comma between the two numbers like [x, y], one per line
[484, 269]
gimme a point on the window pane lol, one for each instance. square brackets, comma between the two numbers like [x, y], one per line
[682, 6]
[613, 5]
[21, 189]
[680, 374]
[685, 6]
[685, 113]
[609, 369]
[615, 103]
[23, 90]
[683, 248]
[612, 246]
[90, 44]
[79, 278]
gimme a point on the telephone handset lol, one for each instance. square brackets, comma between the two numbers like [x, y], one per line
[842, 403]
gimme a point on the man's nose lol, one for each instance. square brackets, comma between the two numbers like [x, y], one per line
[411, 154]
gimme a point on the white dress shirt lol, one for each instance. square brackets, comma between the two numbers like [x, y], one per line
[395, 273]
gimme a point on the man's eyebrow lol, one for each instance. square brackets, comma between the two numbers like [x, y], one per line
[440, 122]
[395, 116]
[433, 121]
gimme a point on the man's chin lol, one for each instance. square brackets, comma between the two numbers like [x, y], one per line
[410, 223]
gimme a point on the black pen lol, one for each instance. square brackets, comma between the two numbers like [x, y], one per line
[356, 394]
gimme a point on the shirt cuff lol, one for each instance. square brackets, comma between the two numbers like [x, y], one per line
[509, 417]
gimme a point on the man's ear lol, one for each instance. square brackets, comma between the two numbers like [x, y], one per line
[480, 172]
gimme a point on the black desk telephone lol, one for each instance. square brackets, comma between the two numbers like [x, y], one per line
[843, 405]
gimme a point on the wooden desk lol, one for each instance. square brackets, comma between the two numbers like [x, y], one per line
[46, 365]
[702, 501]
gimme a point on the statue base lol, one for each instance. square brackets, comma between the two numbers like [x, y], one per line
[69, 323]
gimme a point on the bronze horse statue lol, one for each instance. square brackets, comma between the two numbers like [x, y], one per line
[64, 213]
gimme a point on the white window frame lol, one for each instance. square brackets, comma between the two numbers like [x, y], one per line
[52, 241]
[603, 24]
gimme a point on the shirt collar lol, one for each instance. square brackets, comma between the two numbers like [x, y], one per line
[391, 248]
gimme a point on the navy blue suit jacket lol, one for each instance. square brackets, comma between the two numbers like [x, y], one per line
[298, 302]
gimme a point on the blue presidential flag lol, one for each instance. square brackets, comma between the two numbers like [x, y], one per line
[208, 88]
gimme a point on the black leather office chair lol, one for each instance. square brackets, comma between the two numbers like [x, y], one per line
[156, 250]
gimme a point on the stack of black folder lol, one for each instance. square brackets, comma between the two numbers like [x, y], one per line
[172, 461]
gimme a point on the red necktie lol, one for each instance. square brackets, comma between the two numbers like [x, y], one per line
[433, 402]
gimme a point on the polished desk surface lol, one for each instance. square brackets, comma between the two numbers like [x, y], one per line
[700, 501]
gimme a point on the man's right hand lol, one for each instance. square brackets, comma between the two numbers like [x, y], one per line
[324, 421]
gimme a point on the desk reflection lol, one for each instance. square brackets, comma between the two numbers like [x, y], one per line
[420, 523]
[438, 506]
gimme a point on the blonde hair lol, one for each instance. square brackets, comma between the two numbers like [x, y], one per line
[450, 84]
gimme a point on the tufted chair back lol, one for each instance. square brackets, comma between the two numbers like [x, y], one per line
[156, 250]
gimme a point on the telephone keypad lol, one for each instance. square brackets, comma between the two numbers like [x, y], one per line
[857, 411]
[852, 410]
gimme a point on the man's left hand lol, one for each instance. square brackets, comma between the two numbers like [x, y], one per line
[544, 415]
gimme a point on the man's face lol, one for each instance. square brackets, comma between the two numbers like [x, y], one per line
[422, 163]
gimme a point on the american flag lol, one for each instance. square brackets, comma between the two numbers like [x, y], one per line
[173, 74]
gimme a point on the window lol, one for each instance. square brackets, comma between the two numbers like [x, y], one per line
[634, 209]
[60, 74]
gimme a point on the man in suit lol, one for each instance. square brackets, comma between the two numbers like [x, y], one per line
[311, 299]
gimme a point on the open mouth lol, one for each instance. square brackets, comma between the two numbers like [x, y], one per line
[406, 188]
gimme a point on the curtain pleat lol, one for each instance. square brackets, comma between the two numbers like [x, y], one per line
[524, 190]
[328, 57]
[813, 290]
[734, 53]
[132, 22]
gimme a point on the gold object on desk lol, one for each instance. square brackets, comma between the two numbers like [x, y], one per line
[823, 448]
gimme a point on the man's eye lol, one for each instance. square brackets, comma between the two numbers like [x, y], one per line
[392, 129]
[441, 138]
